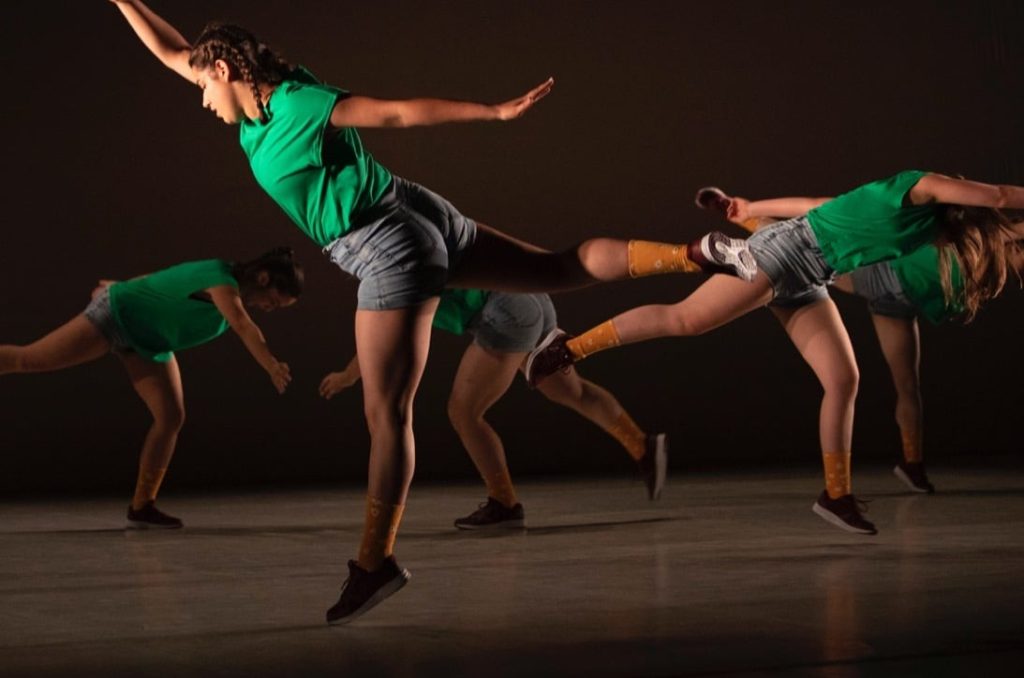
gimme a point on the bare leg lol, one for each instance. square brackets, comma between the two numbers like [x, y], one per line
[159, 386]
[901, 346]
[392, 348]
[482, 379]
[818, 333]
[73, 343]
[717, 302]
[500, 262]
[585, 397]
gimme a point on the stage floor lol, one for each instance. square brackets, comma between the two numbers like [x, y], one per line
[730, 574]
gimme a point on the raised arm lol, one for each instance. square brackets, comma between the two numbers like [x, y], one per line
[161, 38]
[741, 209]
[938, 188]
[336, 382]
[229, 303]
[360, 111]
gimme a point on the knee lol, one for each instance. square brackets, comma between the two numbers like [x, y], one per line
[462, 414]
[683, 325]
[844, 383]
[170, 420]
[387, 417]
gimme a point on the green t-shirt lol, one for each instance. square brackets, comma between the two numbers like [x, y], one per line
[320, 177]
[871, 223]
[157, 314]
[457, 309]
[919, 277]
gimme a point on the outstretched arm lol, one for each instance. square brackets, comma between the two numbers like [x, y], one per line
[161, 38]
[360, 111]
[938, 188]
[229, 303]
[336, 382]
[740, 209]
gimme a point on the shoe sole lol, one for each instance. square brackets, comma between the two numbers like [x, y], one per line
[379, 596]
[502, 524]
[837, 521]
[545, 342]
[732, 253]
[660, 466]
[899, 473]
[140, 525]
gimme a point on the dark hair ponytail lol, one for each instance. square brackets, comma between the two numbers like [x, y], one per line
[253, 61]
[985, 246]
[284, 274]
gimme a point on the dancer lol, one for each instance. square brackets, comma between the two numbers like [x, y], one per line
[879, 221]
[403, 242]
[143, 321]
[897, 291]
[505, 328]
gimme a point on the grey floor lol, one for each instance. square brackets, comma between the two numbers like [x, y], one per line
[729, 574]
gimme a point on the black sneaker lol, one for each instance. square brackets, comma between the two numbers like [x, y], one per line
[718, 253]
[492, 513]
[363, 590]
[844, 513]
[149, 517]
[913, 476]
[550, 356]
[654, 464]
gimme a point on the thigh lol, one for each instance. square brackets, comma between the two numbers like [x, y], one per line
[901, 346]
[818, 332]
[483, 378]
[158, 384]
[73, 343]
[392, 346]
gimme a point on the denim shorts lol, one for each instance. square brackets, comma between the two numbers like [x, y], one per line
[881, 287]
[789, 255]
[402, 249]
[513, 323]
[99, 313]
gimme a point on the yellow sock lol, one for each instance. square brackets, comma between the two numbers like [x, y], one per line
[593, 340]
[147, 485]
[653, 258]
[912, 453]
[837, 474]
[629, 435]
[379, 532]
[754, 223]
[499, 486]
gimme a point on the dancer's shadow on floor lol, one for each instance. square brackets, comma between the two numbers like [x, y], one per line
[572, 528]
[994, 492]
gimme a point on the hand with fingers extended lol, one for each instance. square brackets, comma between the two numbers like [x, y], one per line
[336, 382]
[515, 108]
[280, 375]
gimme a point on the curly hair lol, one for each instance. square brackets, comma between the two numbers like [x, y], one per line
[285, 274]
[251, 60]
[985, 248]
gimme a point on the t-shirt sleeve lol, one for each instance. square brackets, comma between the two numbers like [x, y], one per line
[211, 273]
[903, 182]
[307, 109]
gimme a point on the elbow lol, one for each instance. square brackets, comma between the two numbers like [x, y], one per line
[1002, 197]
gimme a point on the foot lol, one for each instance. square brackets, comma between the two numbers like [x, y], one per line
[550, 356]
[913, 476]
[149, 517]
[712, 198]
[718, 253]
[364, 590]
[844, 512]
[654, 464]
[492, 513]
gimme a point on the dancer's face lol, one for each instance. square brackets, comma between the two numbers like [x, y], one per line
[268, 299]
[221, 93]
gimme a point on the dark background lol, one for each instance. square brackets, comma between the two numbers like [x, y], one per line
[112, 169]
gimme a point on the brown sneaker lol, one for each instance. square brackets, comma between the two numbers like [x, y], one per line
[913, 476]
[550, 356]
[654, 464]
[492, 513]
[363, 590]
[844, 513]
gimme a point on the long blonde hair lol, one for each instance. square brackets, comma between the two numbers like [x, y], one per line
[984, 244]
